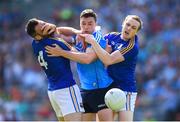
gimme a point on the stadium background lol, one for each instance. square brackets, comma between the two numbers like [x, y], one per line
[23, 85]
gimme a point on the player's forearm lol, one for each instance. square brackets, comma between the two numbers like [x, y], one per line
[69, 31]
[77, 56]
[104, 56]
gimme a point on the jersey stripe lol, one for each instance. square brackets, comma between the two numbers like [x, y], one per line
[62, 40]
[98, 37]
[130, 94]
[128, 101]
[128, 48]
[74, 99]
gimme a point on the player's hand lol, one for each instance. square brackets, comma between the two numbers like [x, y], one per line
[88, 38]
[53, 50]
[48, 29]
[79, 38]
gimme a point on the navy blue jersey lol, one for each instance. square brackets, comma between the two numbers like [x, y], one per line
[57, 69]
[123, 73]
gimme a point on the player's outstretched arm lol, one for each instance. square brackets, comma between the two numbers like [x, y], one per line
[104, 56]
[85, 58]
[69, 31]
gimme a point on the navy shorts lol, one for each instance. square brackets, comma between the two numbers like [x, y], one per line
[93, 100]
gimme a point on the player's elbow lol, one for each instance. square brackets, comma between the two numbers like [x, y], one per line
[108, 62]
[113, 61]
[87, 61]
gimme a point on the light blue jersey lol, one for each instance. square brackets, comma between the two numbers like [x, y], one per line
[93, 75]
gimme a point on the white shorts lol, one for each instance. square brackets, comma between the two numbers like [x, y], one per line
[130, 101]
[65, 101]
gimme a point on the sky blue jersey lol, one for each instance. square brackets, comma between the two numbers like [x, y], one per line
[93, 75]
[123, 73]
[57, 69]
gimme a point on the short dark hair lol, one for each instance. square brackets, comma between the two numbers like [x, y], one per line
[30, 27]
[88, 13]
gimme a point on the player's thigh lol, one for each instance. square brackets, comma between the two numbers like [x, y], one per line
[130, 102]
[89, 101]
[69, 100]
[126, 116]
[126, 113]
[89, 116]
[55, 106]
[105, 115]
[93, 100]
[73, 117]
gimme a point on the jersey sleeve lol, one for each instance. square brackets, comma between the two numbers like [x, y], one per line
[99, 39]
[107, 37]
[110, 37]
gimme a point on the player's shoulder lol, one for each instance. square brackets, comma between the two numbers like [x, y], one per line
[113, 34]
[97, 34]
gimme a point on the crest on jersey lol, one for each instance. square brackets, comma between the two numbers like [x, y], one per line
[120, 46]
[113, 43]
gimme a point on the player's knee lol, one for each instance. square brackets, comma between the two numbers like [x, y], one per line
[105, 115]
[73, 117]
[60, 119]
[126, 116]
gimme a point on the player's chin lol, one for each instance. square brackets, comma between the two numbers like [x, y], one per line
[127, 36]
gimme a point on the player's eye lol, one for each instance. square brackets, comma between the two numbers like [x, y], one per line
[127, 24]
[133, 27]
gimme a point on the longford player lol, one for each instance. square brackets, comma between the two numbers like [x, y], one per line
[63, 92]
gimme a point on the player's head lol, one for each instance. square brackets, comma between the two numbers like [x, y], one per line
[88, 20]
[131, 25]
[33, 28]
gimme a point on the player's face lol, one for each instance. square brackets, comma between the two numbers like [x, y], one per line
[38, 28]
[87, 25]
[129, 28]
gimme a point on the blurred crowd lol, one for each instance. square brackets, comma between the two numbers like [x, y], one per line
[23, 85]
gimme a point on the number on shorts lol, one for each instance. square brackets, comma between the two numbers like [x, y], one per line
[41, 60]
